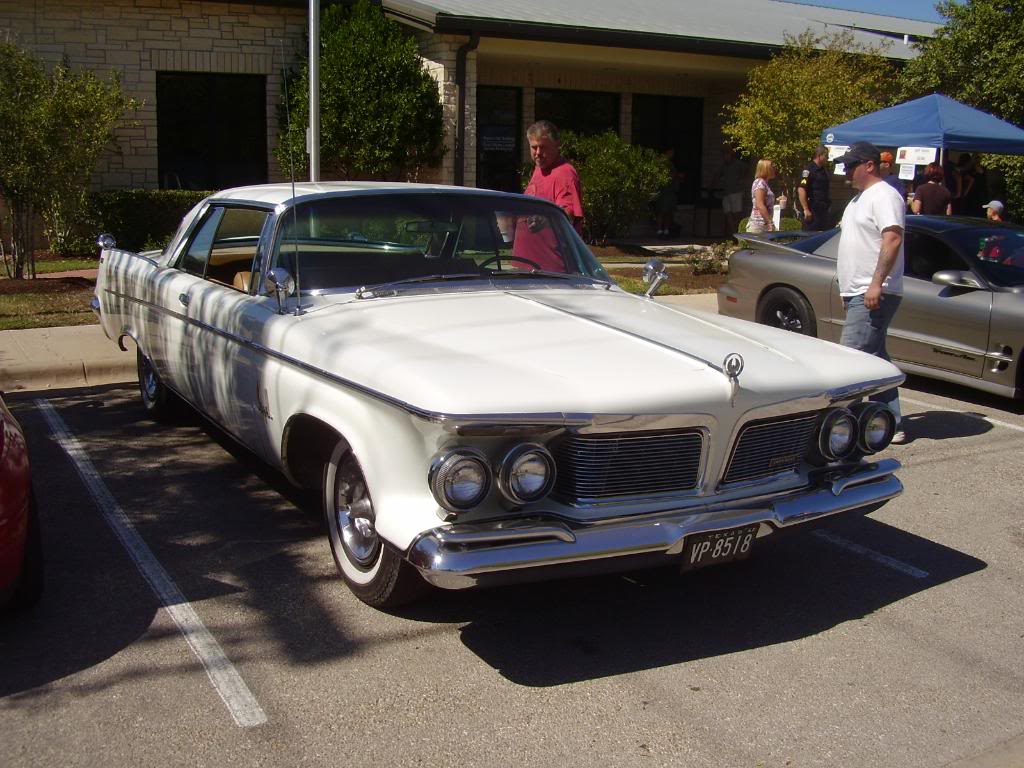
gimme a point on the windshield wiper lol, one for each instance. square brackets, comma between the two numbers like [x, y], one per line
[375, 291]
[519, 273]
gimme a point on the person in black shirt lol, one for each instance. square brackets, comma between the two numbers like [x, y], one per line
[813, 193]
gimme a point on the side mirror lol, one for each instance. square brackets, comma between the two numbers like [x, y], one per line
[654, 275]
[956, 278]
[106, 241]
[282, 284]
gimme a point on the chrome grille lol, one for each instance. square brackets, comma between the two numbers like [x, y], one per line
[769, 447]
[600, 467]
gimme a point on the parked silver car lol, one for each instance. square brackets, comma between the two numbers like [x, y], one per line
[962, 316]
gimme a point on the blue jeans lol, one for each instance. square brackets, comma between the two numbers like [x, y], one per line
[865, 330]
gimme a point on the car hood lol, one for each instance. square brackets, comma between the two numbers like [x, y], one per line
[565, 351]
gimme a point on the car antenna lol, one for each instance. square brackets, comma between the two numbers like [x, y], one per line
[291, 174]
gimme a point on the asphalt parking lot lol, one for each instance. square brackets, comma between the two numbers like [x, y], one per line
[193, 617]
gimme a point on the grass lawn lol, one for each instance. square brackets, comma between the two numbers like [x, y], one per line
[46, 302]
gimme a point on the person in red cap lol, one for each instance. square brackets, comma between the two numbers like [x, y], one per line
[889, 176]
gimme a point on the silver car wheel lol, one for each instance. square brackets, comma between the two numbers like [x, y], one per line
[353, 513]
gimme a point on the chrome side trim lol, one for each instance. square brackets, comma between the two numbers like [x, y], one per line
[864, 388]
[510, 424]
[458, 556]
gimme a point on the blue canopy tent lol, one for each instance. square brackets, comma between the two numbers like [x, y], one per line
[931, 121]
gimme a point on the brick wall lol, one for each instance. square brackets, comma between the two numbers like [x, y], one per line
[138, 38]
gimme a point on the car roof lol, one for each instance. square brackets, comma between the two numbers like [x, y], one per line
[285, 192]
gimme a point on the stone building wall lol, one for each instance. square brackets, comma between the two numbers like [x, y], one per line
[138, 38]
[440, 53]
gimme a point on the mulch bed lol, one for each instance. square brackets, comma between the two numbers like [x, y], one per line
[45, 285]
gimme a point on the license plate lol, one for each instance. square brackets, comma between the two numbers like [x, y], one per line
[703, 549]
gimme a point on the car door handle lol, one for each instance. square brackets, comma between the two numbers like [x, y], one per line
[183, 298]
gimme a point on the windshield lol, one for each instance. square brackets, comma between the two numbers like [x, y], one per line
[363, 240]
[996, 252]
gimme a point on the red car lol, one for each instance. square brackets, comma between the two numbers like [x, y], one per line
[21, 551]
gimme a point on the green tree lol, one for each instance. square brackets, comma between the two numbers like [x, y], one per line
[380, 112]
[53, 128]
[977, 57]
[619, 181]
[814, 82]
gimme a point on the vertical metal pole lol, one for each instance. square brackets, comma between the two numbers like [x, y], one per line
[313, 131]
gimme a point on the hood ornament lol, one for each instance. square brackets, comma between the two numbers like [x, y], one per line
[733, 367]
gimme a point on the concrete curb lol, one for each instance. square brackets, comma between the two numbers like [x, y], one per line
[61, 358]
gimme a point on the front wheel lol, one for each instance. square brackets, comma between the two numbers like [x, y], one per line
[375, 573]
[786, 308]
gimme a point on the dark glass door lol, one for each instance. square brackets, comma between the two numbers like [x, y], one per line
[660, 122]
[498, 140]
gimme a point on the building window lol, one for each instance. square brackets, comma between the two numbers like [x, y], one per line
[498, 138]
[585, 112]
[211, 130]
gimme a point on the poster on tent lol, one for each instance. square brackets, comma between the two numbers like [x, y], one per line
[834, 151]
[915, 155]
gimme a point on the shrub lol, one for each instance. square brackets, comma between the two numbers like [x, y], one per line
[137, 218]
[785, 225]
[714, 259]
[381, 115]
[619, 182]
[54, 125]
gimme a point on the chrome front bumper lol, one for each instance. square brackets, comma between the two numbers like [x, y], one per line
[458, 556]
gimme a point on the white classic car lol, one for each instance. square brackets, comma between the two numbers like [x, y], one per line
[478, 401]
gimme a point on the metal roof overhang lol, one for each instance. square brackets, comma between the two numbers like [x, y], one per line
[614, 38]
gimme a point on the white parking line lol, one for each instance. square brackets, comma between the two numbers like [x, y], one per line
[878, 557]
[229, 685]
[980, 417]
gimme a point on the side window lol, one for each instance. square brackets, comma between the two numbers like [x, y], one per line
[224, 248]
[923, 256]
[198, 253]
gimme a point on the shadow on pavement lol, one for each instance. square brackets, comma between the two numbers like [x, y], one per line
[228, 527]
[965, 394]
[573, 630]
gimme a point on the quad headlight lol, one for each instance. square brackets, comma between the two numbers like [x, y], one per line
[460, 479]
[527, 473]
[876, 425]
[837, 435]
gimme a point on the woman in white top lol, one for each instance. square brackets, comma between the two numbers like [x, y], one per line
[762, 199]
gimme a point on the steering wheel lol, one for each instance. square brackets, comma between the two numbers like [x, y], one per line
[493, 259]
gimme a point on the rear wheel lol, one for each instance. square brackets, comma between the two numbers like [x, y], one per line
[787, 308]
[160, 403]
[375, 573]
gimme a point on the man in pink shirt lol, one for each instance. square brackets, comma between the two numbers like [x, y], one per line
[553, 179]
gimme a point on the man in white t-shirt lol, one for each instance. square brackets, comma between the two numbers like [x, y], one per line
[870, 266]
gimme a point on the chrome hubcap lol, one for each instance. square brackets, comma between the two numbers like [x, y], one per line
[353, 514]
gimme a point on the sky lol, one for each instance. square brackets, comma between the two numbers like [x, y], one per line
[906, 9]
